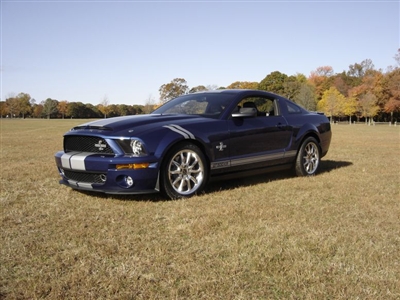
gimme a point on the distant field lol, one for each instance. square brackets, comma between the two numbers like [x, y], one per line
[332, 236]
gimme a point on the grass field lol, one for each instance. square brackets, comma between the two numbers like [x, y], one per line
[331, 236]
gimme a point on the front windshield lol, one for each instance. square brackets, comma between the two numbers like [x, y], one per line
[205, 104]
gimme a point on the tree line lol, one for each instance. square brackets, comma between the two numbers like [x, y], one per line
[23, 106]
[360, 93]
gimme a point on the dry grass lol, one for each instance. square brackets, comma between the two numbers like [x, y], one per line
[332, 236]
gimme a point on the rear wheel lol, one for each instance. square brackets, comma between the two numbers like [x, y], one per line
[184, 172]
[308, 158]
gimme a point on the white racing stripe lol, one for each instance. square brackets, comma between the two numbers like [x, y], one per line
[74, 160]
[178, 129]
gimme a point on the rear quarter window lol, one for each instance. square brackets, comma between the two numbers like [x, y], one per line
[293, 108]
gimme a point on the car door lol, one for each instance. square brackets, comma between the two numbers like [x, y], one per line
[260, 140]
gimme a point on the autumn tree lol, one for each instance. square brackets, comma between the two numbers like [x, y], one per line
[348, 107]
[331, 102]
[150, 105]
[104, 106]
[321, 80]
[343, 83]
[175, 88]
[13, 105]
[367, 106]
[24, 103]
[393, 88]
[3, 109]
[37, 110]
[62, 107]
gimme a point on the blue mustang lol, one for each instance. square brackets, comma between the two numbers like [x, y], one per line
[191, 139]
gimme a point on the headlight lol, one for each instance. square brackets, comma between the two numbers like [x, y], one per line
[132, 146]
[137, 148]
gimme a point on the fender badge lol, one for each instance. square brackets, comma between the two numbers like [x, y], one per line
[221, 146]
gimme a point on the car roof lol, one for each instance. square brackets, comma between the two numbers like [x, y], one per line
[238, 92]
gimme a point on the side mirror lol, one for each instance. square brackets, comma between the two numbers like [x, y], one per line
[245, 112]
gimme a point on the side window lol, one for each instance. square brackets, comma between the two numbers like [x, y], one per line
[293, 108]
[265, 106]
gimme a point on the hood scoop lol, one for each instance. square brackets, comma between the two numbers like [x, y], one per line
[92, 127]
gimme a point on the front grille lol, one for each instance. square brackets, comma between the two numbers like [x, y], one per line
[90, 144]
[84, 177]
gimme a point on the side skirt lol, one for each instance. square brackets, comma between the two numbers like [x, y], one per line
[252, 172]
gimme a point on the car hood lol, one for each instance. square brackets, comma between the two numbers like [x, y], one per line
[136, 124]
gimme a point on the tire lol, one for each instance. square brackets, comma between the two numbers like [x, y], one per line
[308, 158]
[184, 172]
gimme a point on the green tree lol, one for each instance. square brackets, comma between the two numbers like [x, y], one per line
[123, 110]
[243, 85]
[91, 111]
[137, 110]
[306, 97]
[273, 82]
[361, 69]
[291, 87]
[73, 109]
[175, 88]
[50, 107]
[198, 88]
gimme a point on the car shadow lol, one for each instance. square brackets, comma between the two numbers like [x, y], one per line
[326, 166]
[152, 197]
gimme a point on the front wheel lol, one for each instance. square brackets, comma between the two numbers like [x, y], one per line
[184, 172]
[308, 158]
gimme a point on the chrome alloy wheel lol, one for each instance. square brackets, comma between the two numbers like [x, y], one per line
[310, 158]
[186, 172]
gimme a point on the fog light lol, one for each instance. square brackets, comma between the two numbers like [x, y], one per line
[129, 181]
[125, 181]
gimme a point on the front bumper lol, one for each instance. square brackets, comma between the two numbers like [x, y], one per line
[99, 173]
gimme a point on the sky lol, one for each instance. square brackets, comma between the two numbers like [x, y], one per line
[124, 51]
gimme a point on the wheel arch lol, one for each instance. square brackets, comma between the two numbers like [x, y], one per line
[177, 142]
[305, 132]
